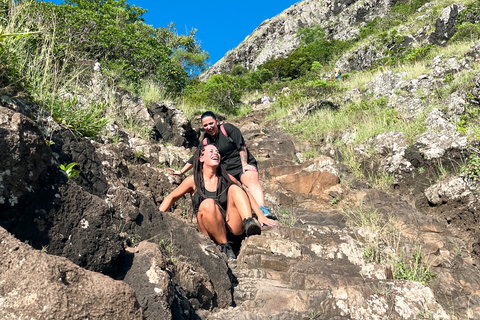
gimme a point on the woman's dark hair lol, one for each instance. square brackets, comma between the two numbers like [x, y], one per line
[198, 176]
[208, 114]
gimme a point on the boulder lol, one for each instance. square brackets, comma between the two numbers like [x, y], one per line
[360, 59]
[36, 285]
[135, 110]
[151, 281]
[445, 25]
[172, 126]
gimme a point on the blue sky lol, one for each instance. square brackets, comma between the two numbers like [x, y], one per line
[221, 25]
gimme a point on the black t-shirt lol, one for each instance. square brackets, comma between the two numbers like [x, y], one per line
[230, 156]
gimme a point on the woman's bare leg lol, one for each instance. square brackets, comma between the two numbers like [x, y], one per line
[210, 221]
[250, 180]
[238, 208]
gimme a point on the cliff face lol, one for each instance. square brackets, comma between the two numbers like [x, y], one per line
[277, 37]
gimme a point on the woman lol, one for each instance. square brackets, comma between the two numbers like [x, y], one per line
[218, 200]
[235, 156]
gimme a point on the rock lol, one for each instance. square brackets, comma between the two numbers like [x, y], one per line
[36, 285]
[474, 52]
[172, 126]
[362, 58]
[26, 163]
[136, 110]
[445, 25]
[454, 105]
[435, 121]
[433, 145]
[151, 281]
[449, 189]
[385, 84]
[476, 90]
[441, 66]
[390, 148]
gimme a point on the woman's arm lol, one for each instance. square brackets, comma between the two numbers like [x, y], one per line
[255, 207]
[187, 185]
[185, 168]
[260, 217]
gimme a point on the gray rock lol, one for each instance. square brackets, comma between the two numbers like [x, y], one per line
[445, 25]
[441, 66]
[449, 189]
[134, 109]
[385, 84]
[151, 281]
[36, 285]
[476, 90]
[436, 121]
[360, 59]
[455, 104]
[433, 145]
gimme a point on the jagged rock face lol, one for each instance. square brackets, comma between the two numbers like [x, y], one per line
[151, 281]
[277, 37]
[476, 89]
[21, 179]
[444, 26]
[360, 59]
[35, 285]
[171, 125]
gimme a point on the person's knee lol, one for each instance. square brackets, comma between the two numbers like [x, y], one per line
[250, 178]
[208, 209]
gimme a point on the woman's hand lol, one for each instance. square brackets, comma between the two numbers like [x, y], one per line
[264, 221]
[249, 167]
[176, 172]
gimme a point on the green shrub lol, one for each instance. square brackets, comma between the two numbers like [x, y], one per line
[470, 14]
[223, 92]
[472, 168]
[114, 34]
[466, 31]
[238, 70]
[85, 119]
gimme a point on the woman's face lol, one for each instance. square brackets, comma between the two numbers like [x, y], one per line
[210, 125]
[210, 156]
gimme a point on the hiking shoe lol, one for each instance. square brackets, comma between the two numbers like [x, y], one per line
[227, 249]
[251, 227]
[267, 213]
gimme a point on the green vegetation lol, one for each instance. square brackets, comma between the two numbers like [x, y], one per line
[472, 167]
[381, 244]
[68, 168]
[285, 216]
[415, 270]
[71, 59]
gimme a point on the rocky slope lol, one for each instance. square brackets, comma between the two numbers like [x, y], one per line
[277, 37]
[95, 246]
[314, 265]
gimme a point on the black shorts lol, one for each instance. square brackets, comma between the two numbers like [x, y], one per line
[238, 176]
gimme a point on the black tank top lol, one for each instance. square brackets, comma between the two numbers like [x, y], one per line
[222, 196]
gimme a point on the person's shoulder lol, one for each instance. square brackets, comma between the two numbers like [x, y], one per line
[229, 127]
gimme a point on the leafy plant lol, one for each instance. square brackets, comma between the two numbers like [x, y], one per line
[68, 168]
[415, 270]
[472, 168]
